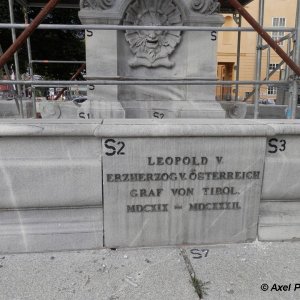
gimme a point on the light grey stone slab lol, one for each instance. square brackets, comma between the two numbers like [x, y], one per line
[187, 122]
[106, 110]
[50, 171]
[8, 109]
[238, 271]
[183, 128]
[172, 109]
[281, 176]
[57, 110]
[50, 229]
[144, 127]
[279, 220]
[151, 198]
[270, 111]
[285, 127]
[55, 147]
[101, 61]
[147, 274]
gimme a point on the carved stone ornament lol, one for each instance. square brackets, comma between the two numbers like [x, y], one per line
[96, 4]
[206, 7]
[152, 48]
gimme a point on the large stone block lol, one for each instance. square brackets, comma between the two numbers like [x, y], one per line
[167, 191]
[281, 179]
[280, 206]
[51, 229]
[39, 172]
[279, 221]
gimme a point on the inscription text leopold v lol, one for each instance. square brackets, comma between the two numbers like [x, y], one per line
[218, 192]
[182, 190]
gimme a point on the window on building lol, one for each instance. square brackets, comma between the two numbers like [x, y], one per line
[273, 66]
[278, 22]
[272, 90]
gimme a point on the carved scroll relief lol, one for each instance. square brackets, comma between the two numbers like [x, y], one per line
[97, 4]
[152, 48]
[206, 7]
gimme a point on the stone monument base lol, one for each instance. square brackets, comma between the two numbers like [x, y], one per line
[136, 183]
[172, 109]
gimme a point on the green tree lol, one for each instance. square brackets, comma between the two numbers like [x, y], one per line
[47, 44]
[5, 34]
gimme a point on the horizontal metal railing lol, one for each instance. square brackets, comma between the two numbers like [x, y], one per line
[130, 27]
[141, 81]
[161, 81]
[46, 61]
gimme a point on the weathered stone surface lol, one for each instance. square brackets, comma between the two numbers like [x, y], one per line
[181, 190]
[50, 229]
[282, 168]
[234, 272]
[8, 109]
[171, 109]
[150, 54]
[58, 110]
[49, 165]
[279, 220]
[50, 171]
[146, 274]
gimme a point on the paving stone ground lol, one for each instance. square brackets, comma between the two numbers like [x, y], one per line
[228, 272]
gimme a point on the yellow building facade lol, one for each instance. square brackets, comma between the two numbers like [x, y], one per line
[280, 13]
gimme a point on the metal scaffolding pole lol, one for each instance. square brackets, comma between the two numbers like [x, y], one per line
[5, 66]
[29, 53]
[16, 58]
[30, 65]
[265, 35]
[29, 29]
[258, 59]
[45, 61]
[295, 85]
[139, 27]
[268, 63]
[269, 75]
[136, 81]
[287, 69]
[77, 73]
[238, 59]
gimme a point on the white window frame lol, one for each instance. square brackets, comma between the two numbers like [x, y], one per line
[273, 66]
[278, 22]
[272, 90]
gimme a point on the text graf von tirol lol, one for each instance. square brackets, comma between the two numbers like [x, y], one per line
[181, 190]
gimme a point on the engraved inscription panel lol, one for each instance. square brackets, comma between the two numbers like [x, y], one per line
[168, 191]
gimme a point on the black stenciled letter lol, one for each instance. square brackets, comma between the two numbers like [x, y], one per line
[110, 147]
[214, 35]
[89, 33]
[273, 145]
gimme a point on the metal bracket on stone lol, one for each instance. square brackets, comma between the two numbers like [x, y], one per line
[50, 110]
[236, 18]
[234, 110]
